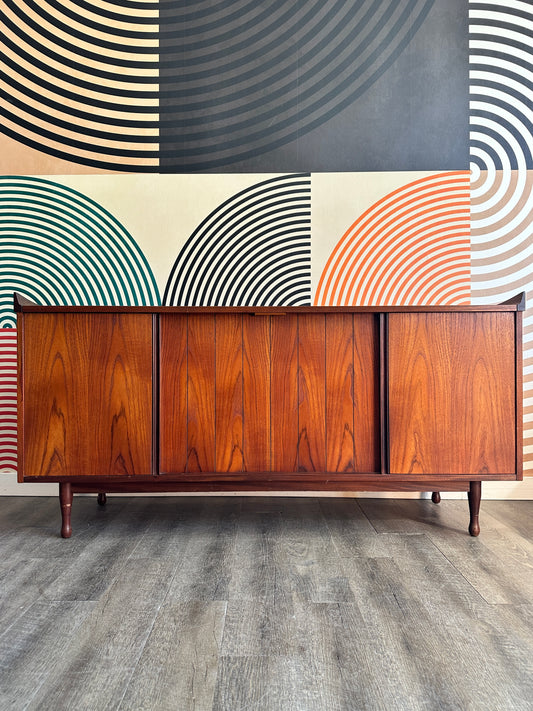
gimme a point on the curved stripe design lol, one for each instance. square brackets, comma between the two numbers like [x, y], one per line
[148, 86]
[59, 247]
[8, 399]
[254, 249]
[82, 80]
[236, 83]
[411, 247]
[501, 125]
[501, 85]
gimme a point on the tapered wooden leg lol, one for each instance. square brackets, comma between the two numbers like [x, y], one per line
[102, 499]
[474, 500]
[435, 497]
[65, 501]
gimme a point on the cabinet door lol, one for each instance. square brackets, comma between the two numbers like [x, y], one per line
[452, 393]
[87, 395]
[259, 393]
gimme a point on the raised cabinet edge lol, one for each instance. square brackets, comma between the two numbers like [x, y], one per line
[518, 300]
[20, 301]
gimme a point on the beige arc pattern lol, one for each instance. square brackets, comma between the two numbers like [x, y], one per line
[502, 250]
[84, 72]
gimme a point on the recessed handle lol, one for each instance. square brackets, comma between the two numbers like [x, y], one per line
[270, 313]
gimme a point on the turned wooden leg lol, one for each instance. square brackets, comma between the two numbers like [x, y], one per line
[65, 501]
[435, 497]
[102, 499]
[474, 500]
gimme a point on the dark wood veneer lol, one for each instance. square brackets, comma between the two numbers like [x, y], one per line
[265, 399]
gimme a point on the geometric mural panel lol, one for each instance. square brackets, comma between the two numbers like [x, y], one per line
[59, 247]
[253, 249]
[82, 80]
[410, 247]
[241, 86]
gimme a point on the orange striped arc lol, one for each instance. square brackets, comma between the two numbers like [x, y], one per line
[411, 247]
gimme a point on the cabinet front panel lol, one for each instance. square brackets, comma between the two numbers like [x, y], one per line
[259, 393]
[173, 393]
[87, 395]
[366, 393]
[284, 393]
[340, 414]
[452, 393]
[201, 393]
[312, 392]
[256, 392]
[229, 393]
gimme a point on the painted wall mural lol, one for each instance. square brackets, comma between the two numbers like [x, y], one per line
[255, 248]
[223, 86]
[276, 152]
[410, 247]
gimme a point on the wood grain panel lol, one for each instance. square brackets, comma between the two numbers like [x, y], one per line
[340, 455]
[173, 393]
[366, 393]
[452, 393]
[120, 355]
[201, 393]
[90, 378]
[229, 397]
[256, 392]
[311, 392]
[284, 393]
[53, 442]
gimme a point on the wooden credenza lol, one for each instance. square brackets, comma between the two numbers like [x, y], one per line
[125, 399]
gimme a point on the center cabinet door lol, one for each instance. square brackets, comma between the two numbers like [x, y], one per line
[452, 399]
[291, 392]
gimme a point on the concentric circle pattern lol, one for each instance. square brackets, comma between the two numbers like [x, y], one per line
[411, 247]
[501, 85]
[254, 249]
[59, 247]
[236, 83]
[82, 80]
[175, 86]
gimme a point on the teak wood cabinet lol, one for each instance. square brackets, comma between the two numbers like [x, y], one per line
[123, 399]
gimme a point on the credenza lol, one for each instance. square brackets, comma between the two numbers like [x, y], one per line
[244, 399]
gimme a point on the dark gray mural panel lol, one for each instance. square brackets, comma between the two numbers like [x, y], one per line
[313, 85]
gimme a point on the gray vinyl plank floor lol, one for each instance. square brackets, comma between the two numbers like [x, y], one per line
[265, 604]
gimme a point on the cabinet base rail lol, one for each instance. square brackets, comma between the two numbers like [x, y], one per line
[67, 490]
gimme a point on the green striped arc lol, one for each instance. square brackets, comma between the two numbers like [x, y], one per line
[59, 246]
[48, 255]
[98, 222]
[82, 261]
[51, 285]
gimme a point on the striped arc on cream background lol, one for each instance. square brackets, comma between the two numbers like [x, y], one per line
[410, 247]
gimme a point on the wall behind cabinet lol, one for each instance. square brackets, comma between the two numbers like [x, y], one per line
[281, 152]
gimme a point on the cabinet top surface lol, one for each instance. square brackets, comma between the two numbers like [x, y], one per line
[24, 305]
